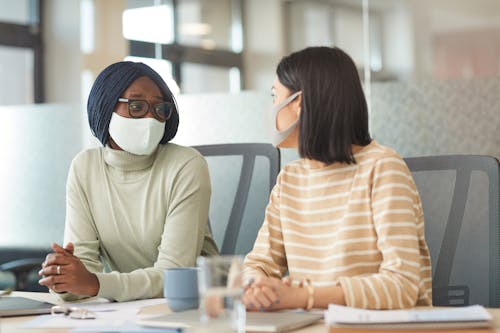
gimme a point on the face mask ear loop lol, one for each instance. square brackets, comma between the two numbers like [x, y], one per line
[279, 136]
[281, 105]
[288, 100]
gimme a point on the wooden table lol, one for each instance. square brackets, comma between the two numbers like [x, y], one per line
[12, 324]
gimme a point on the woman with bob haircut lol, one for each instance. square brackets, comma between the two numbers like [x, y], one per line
[345, 221]
[138, 204]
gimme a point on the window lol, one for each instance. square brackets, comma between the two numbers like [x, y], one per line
[21, 54]
[197, 43]
[16, 63]
[314, 23]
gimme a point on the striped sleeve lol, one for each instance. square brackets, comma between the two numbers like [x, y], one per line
[268, 254]
[399, 227]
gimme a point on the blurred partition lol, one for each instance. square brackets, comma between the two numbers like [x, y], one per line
[438, 117]
[225, 118]
[37, 144]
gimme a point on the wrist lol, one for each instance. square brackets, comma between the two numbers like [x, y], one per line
[302, 298]
[94, 285]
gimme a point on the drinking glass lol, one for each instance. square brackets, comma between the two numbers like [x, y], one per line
[220, 285]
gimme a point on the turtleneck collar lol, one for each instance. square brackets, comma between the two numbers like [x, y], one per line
[126, 161]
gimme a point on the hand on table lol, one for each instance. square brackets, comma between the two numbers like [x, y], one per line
[63, 272]
[266, 293]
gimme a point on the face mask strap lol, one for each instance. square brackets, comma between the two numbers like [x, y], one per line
[288, 100]
[281, 105]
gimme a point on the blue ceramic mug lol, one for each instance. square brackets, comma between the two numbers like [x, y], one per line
[180, 288]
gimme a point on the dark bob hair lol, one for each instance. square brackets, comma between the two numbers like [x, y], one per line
[334, 114]
[110, 85]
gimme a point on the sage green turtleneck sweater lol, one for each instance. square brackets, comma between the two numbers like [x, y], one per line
[132, 216]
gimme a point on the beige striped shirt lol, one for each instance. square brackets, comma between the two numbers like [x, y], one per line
[359, 226]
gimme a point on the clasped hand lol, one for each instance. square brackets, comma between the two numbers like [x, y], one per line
[64, 272]
[267, 293]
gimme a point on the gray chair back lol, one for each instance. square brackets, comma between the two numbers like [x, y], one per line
[242, 177]
[19, 268]
[460, 197]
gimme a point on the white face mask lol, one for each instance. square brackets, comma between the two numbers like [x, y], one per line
[139, 136]
[277, 136]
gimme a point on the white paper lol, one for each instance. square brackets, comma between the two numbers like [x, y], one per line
[337, 314]
[109, 319]
[127, 327]
[56, 300]
[118, 306]
[112, 315]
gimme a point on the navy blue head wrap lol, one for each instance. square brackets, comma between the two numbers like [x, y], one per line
[109, 86]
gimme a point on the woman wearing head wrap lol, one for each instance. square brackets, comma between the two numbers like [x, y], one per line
[135, 206]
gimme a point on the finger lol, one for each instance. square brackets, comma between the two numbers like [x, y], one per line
[287, 281]
[47, 257]
[214, 305]
[260, 279]
[53, 270]
[51, 280]
[251, 303]
[244, 299]
[271, 295]
[262, 299]
[43, 271]
[70, 248]
[56, 259]
[272, 283]
[58, 249]
[249, 283]
[60, 287]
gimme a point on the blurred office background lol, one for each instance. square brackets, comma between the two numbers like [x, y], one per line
[430, 69]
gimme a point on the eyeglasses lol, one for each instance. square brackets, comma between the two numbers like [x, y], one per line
[137, 108]
[72, 312]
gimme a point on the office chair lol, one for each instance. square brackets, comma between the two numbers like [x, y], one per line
[19, 268]
[460, 197]
[242, 177]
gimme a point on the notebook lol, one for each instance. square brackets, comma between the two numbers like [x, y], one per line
[474, 316]
[255, 321]
[21, 306]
